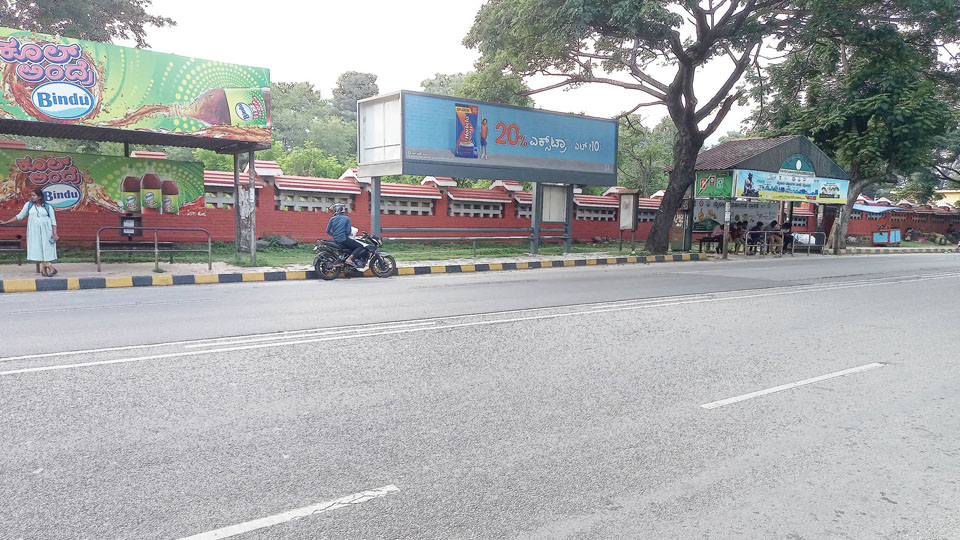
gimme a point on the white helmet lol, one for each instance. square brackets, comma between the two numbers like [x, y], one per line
[339, 208]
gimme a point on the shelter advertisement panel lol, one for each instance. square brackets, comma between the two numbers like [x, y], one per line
[469, 139]
[714, 184]
[68, 81]
[93, 183]
[791, 187]
[708, 213]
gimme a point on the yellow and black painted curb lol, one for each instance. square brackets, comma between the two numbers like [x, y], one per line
[886, 251]
[69, 284]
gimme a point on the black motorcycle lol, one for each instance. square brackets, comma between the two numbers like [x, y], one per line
[331, 258]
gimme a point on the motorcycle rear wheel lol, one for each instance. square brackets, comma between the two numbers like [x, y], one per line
[326, 267]
[383, 265]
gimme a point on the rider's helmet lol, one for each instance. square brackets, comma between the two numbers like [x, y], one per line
[339, 208]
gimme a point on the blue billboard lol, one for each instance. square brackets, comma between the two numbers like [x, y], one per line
[445, 136]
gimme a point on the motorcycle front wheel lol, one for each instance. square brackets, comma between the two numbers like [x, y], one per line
[383, 265]
[326, 267]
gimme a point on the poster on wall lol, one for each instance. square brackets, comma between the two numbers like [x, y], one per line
[791, 187]
[426, 134]
[69, 81]
[94, 183]
[708, 213]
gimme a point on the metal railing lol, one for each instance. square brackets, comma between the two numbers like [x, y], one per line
[5, 245]
[473, 239]
[765, 246]
[156, 244]
[545, 235]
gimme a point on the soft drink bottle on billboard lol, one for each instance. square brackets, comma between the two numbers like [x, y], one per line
[171, 197]
[130, 190]
[467, 122]
[150, 188]
[228, 107]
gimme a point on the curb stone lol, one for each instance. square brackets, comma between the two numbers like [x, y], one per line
[70, 284]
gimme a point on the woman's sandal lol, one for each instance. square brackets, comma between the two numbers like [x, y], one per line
[44, 273]
[51, 274]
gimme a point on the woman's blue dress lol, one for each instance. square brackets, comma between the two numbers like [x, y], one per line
[40, 223]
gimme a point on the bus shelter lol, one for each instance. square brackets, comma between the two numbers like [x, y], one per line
[66, 88]
[765, 179]
[432, 135]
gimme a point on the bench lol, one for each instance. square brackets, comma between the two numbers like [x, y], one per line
[130, 246]
[13, 246]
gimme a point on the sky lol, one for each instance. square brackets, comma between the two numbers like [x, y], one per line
[403, 42]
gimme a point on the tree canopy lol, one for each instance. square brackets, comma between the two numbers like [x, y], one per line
[93, 20]
[631, 45]
[353, 86]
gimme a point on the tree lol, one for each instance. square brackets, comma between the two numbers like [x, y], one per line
[213, 161]
[628, 44]
[643, 154]
[867, 85]
[442, 84]
[93, 20]
[294, 108]
[492, 85]
[308, 160]
[353, 86]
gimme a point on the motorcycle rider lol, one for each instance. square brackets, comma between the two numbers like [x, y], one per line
[339, 228]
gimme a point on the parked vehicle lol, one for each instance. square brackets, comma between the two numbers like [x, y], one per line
[331, 258]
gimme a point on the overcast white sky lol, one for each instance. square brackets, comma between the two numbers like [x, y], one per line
[403, 42]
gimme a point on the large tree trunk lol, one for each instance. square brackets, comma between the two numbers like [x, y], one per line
[685, 150]
[843, 226]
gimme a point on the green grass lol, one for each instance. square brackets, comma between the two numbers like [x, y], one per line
[303, 253]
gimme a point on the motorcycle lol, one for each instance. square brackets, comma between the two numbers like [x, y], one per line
[331, 258]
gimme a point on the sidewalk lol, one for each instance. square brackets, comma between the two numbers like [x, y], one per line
[72, 276]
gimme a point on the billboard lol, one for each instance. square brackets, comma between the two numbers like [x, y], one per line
[93, 183]
[714, 184]
[425, 134]
[68, 81]
[791, 187]
[708, 213]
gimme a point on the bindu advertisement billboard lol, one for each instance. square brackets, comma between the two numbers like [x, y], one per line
[73, 82]
[93, 183]
[425, 134]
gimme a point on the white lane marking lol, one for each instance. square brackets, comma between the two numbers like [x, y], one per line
[270, 521]
[788, 386]
[316, 333]
[810, 288]
[213, 341]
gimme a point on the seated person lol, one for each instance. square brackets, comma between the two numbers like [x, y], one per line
[754, 237]
[774, 241]
[787, 229]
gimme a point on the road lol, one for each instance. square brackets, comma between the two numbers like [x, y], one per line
[796, 398]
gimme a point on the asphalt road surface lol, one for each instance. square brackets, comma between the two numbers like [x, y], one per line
[797, 398]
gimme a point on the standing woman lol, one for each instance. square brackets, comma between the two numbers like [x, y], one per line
[41, 232]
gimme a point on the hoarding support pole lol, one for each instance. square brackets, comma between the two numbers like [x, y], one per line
[568, 225]
[236, 201]
[726, 227]
[535, 218]
[375, 206]
[253, 210]
[126, 149]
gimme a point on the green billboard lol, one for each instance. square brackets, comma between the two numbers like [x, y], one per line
[714, 184]
[93, 183]
[68, 81]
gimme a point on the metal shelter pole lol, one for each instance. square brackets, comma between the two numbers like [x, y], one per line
[126, 149]
[726, 227]
[535, 218]
[253, 210]
[568, 225]
[236, 202]
[375, 206]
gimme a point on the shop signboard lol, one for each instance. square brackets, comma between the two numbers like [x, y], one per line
[714, 184]
[94, 183]
[425, 134]
[74, 82]
[708, 213]
[791, 187]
